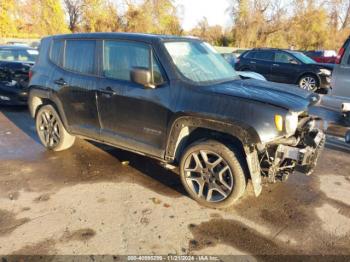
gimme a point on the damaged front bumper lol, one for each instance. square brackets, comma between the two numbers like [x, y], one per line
[282, 157]
[302, 157]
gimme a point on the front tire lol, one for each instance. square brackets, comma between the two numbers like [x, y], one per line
[212, 174]
[309, 83]
[51, 131]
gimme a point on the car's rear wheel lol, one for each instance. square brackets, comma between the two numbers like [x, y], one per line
[309, 83]
[51, 131]
[212, 174]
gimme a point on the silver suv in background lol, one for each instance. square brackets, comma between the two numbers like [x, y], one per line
[339, 97]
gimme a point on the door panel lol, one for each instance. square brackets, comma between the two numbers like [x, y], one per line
[341, 78]
[284, 73]
[76, 87]
[263, 68]
[341, 81]
[284, 70]
[262, 63]
[132, 116]
[78, 97]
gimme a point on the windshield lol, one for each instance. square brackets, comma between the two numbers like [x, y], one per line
[303, 58]
[200, 62]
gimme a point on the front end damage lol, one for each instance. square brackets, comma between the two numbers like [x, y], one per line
[276, 160]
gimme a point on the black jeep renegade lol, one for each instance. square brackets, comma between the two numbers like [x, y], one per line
[176, 100]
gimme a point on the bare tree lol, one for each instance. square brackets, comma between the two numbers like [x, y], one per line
[74, 9]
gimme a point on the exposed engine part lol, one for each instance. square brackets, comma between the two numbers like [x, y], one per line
[290, 141]
[299, 152]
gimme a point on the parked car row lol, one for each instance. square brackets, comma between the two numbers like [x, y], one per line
[275, 65]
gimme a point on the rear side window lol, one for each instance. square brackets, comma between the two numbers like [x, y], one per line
[264, 55]
[80, 56]
[120, 57]
[56, 53]
[249, 55]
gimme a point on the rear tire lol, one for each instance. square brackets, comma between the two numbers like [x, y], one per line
[51, 131]
[213, 174]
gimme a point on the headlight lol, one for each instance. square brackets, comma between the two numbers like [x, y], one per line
[279, 122]
[292, 120]
[325, 72]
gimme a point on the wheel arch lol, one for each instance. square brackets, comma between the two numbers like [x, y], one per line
[186, 130]
[308, 73]
[38, 98]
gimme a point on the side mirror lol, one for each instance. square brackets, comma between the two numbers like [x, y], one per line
[142, 76]
[293, 61]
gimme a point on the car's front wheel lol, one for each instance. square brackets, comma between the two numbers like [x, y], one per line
[309, 83]
[213, 174]
[51, 131]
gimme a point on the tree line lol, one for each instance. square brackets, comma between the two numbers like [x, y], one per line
[299, 24]
[35, 18]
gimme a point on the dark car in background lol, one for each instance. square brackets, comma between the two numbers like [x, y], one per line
[322, 56]
[232, 60]
[15, 64]
[177, 100]
[286, 66]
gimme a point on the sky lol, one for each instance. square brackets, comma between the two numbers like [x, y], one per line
[192, 11]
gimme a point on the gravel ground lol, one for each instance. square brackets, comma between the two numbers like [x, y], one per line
[94, 199]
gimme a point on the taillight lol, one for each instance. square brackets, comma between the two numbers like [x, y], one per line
[30, 74]
[340, 55]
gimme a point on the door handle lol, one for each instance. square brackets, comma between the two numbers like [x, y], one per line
[109, 91]
[60, 82]
[277, 65]
[252, 62]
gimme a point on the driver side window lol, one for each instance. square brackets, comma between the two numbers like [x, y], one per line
[285, 58]
[120, 57]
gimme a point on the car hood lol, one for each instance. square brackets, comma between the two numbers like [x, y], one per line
[288, 97]
[322, 65]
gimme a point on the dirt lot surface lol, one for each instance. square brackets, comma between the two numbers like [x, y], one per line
[93, 199]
